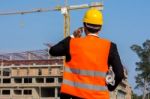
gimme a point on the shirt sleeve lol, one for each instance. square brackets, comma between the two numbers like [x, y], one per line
[115, 62]
[61, 48]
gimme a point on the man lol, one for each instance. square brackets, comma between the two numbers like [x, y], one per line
[87, 61]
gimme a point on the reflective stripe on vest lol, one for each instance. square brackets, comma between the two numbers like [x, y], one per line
[85, 72]
[85, 86]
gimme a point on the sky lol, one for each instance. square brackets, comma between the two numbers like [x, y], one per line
[126, 22]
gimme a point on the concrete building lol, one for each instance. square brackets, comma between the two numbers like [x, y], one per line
[36, 75]
[123, 91]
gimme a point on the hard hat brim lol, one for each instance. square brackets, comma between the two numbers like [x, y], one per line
[92, 21]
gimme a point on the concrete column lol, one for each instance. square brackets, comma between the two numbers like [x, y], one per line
[12, 80]
[44, 80]
[10, 72]
[33, 80]
[39, 92]
[22, 80]
[1, 73]
[2, 69]
[22, 92]
[56, 80]
[56, 93]
[11, 93]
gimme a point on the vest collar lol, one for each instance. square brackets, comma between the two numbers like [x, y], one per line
[93, 35]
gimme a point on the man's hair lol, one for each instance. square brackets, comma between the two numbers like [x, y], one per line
[92, 28]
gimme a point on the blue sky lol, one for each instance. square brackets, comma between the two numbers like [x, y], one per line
[126, 22]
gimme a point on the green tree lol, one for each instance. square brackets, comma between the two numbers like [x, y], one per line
[135, 96]
[143, 67]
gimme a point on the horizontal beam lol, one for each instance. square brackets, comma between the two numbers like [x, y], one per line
[57, 8]
[83, 6]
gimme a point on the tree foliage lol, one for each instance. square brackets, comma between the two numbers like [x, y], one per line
[143, 66]
[135, 96]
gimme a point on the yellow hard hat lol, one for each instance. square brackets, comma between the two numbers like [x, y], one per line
[93, 16]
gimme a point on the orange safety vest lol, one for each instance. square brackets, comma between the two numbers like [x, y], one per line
[84, 75]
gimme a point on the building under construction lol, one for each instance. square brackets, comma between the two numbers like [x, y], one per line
[36, 75]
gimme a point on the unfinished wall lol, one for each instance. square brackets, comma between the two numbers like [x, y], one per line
[45, 71]
[33, 71]
[14, 72]
[23, 72]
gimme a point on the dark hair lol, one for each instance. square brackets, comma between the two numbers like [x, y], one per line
[92, 28]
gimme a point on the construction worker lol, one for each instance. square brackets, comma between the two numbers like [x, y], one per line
[87, 61]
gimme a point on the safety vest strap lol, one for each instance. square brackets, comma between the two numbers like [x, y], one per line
[85, 86]
[85, 72]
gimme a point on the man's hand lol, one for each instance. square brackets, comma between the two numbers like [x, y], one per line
[78, 33]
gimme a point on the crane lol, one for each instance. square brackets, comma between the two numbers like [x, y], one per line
[63, 9]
